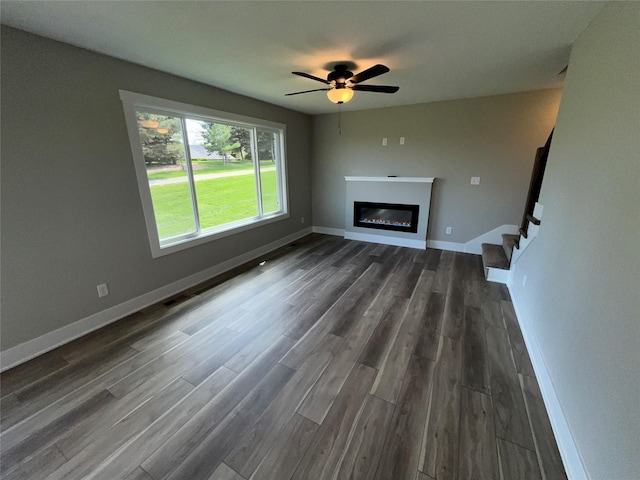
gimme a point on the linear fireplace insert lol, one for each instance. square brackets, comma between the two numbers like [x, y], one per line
[386, 216]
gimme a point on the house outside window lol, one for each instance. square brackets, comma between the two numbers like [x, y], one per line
[203, 174]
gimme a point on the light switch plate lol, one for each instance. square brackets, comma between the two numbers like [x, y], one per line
[475, 180]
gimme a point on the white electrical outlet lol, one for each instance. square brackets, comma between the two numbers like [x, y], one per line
[401, 140]
[475, 180]
[103, 290]
[384, 142]
[448, 230]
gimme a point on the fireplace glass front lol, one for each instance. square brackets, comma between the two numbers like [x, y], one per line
[386, 216]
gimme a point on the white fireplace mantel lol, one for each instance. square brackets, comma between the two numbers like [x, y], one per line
[391, 179]
[393, 190]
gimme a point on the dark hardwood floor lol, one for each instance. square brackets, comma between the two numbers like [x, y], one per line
[334, 359]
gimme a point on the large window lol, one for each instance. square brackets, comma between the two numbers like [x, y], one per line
[202, 173]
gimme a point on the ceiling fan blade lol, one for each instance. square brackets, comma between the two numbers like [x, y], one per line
[376, 88]
[306, 75]
[308, 91]
[369, 73]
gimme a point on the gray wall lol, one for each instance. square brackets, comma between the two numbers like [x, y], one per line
[582, 296]
[71, 212]
[494, 138]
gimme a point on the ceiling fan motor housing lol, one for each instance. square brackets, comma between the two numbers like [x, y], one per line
[339, 76]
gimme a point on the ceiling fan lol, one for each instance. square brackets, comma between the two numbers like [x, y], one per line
[342, 83]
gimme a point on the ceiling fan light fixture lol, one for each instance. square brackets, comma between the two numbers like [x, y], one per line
[149, 123]
[340, 95]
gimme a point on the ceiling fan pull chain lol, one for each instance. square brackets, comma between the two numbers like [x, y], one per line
[339, 119]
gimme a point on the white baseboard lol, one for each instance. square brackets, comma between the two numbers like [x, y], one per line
[26, 351]
[398, 242]
[338, 232]
[472, 246]
[571, 458]
[442, 245]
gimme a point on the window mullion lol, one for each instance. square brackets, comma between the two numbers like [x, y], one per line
[277, 138]
[192, 183]
[256, 169]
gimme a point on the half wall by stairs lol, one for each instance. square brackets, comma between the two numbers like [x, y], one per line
[497, 259]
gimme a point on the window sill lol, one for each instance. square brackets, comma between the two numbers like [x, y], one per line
[215, 233]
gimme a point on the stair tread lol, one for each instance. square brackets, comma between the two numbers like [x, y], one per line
[509, 241]
[493, 256]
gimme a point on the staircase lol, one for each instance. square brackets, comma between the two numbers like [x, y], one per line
[498, 259]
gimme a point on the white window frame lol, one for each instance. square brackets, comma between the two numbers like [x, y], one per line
[132, 101]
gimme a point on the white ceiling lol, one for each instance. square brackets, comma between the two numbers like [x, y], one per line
[435, 50]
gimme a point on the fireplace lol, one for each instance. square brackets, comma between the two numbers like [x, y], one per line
[389, 210]
[386, 216]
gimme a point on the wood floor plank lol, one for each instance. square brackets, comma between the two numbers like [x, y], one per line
[347, 254]
[49, 433]
[89, 430]
[86, 461]
[325, 296]
[9, 404]
[51, 411]
[39, 465]
[325, 390]
[287, 451]
[551, 466]
[253, 349]
[401, 452]
[478, 450]
[224, 472]
[453, 315]
[442, 429]
[433, 259]
[174, 362]
[64, 381]
[517, 462]
[441, 280]
[254, 445]
[360, 459]
[511, 420]
[473, 281]
[325, 451]
[475, 365]
[358, 302]
[375, 350]
[123, 332]
[428, 335]
[296, 356]
[492, 314]
[424, 476]
[190, 435]
[284, 286]
[308, 329]
[211, 450]
[150, 439]
[389, 379]
[21, 376]
[518, 347]
[223, 353]
[139, 474]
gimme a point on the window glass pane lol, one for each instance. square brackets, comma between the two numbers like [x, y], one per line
[223, 170]
[268, 156]
[163, 148]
